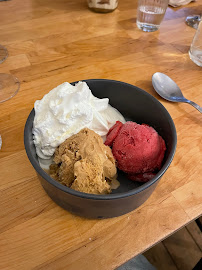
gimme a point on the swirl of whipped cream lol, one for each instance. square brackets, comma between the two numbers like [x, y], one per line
[66, 110]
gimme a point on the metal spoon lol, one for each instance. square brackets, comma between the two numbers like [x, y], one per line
[169, 90]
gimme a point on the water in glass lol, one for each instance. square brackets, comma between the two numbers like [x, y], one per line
[195, 51]
[150, 13]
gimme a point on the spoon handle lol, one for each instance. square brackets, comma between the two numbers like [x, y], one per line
[194, 105]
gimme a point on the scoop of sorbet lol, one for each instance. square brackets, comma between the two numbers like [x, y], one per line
[138, 149]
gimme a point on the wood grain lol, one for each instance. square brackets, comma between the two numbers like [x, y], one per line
[121, 237]
[189, 197]
[50, 42]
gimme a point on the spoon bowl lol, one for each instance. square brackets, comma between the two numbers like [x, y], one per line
[169, 90]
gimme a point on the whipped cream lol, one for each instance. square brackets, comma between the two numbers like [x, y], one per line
[66, 110]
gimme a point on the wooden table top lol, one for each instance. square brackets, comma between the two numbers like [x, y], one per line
[50, 42]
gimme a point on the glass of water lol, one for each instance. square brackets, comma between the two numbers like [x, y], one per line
[150, 13]
[102, 6]
[195, 51]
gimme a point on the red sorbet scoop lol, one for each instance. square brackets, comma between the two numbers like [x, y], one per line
[139, 150]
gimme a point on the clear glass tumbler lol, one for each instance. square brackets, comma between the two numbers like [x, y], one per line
[195, 52]
[102, 6]
[150, 14]
[3, 54]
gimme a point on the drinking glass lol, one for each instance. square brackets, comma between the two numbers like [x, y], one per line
[9, 85]
[102, 6]
[195, 52]
[150, 13]
[3, 54]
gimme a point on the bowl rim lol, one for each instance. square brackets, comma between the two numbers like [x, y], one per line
[114, 196]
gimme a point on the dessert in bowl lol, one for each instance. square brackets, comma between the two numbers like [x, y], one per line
[134, 105]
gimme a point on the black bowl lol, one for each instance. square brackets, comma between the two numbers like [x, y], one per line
[135, 105]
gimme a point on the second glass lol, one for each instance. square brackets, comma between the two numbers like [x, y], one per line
[150, 14]
[102, 6]
[195, 51]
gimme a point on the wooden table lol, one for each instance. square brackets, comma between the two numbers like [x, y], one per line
[50, 42]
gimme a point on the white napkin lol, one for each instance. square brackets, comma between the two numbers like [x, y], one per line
[177, 3]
